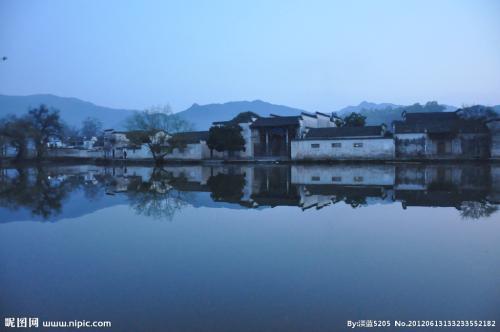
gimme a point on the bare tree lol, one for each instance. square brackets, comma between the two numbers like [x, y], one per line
[154, 127]
[91, 127]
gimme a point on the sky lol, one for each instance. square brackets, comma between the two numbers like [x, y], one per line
[314, 55]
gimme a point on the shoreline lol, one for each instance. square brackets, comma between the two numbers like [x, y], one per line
[10, 162]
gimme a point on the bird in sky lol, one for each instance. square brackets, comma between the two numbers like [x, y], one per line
[4, 58]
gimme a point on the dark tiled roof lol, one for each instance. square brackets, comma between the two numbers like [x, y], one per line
[243, 117]
[192, 136]
[308, 114]
[277, 121]
[450, 125]
[334, 132]
[324, 114]
[402, 127]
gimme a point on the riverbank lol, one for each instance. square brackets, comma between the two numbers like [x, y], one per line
[11, 162]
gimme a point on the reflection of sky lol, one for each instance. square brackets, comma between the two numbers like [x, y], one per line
[224, 269]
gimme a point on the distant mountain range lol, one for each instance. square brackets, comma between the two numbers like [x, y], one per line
[377, 114]
[365, 105]
[203, 115]
[74, 111]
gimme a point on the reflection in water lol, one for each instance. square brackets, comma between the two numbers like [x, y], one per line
[473, 189]
[226, 187]
[155, 196]
[38, 190]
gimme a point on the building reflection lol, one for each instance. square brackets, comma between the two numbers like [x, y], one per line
[473, 189]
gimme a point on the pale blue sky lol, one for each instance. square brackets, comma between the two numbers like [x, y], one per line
[316, 55]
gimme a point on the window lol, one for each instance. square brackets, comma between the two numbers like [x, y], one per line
[336, 145]
[358, 145]
[315, 146]
[358, 179]
[336, 179]
[315, 178]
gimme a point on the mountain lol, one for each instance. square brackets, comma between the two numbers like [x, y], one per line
[365, 105]
[73, 111]
[202, 116]
[377, 114]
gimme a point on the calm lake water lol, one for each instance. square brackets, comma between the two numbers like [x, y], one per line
[250, 248]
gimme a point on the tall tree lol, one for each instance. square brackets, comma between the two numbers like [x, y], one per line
[45, 123]
[69, 133]
[351, 120]
[226, 138]
[17, 131]
[154, 127]
[91, 127]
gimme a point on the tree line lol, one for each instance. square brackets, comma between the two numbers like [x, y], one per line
[37, 127]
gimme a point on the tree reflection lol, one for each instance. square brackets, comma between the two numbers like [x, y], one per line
[477, 210]
[226, 187]
[156, 197]
[36, 190]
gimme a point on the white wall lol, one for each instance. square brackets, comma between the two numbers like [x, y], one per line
[135, 154]
[247, 135]
[310, 122]
[193, 151]
[373, 149]
[324, 121]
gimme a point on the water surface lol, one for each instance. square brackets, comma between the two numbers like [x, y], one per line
[247, 248]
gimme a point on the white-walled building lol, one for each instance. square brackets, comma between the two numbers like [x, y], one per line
[272, 136]
[440, 135]
[344, 143]
[195, 146]
[244, 120]
[118, 146]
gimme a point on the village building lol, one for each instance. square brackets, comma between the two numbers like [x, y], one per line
[272, 136]
[244, 120]
[55, 142]
[440, 135]
[117, 145]
[344, 143]
[192, 146]
[90, 143]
